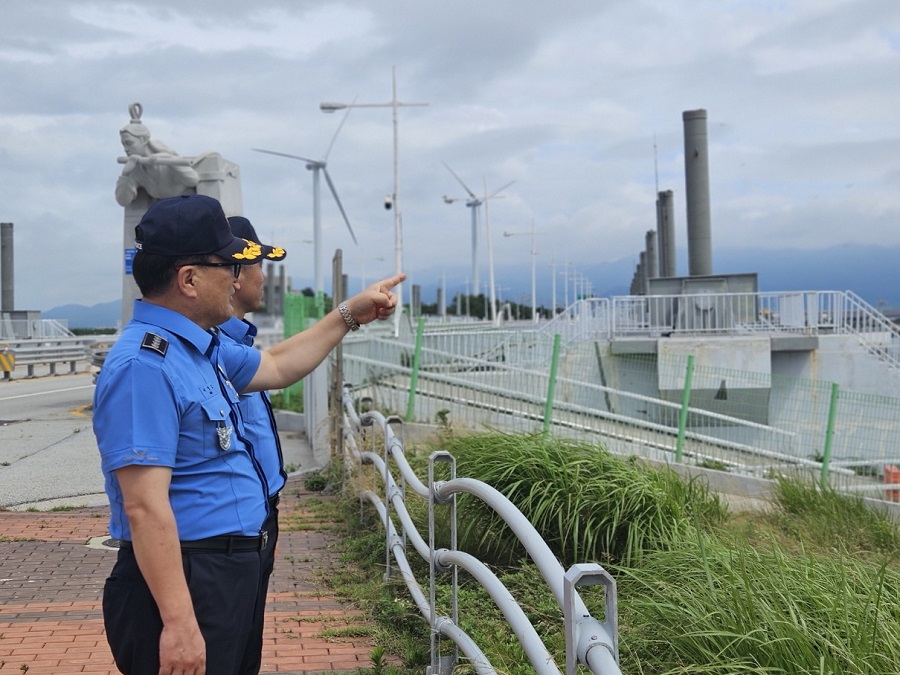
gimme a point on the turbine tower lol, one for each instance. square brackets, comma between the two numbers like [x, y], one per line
[473, 201]
[317, 166]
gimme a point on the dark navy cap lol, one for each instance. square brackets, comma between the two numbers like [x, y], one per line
[192, 225]
[243, 228]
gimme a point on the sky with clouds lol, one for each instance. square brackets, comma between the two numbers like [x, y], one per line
[579, 102]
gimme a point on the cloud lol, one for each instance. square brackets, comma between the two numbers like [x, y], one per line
[579, 103]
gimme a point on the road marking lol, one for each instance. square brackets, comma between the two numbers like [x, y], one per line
[45, 393]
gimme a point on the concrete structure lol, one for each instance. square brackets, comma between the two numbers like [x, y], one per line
[665, 233]
[276, 288]
[652, 258]
[7, 276]
[696, 178]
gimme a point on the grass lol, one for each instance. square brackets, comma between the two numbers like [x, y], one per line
[810, 586]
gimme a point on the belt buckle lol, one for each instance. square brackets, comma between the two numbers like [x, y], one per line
[264, 539]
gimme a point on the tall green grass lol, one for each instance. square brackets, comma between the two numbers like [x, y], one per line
[706, 608]
[586, 503]
[811, 586]
[823, 518]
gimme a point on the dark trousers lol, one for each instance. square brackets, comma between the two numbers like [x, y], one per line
[253, 656]
[224, 588]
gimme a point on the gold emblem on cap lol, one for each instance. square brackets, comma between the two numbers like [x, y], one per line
[251, 252]
[276, 253]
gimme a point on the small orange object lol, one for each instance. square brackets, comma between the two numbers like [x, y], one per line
[892, 477]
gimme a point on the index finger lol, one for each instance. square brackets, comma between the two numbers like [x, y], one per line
[390, 282]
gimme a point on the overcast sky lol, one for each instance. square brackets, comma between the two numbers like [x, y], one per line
[578, 101]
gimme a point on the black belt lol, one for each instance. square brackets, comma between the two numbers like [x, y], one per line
[223, 544]
[274, 500]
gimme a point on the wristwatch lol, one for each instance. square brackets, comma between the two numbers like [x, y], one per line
[351, 322]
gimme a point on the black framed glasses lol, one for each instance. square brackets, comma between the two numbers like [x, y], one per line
[235, 267]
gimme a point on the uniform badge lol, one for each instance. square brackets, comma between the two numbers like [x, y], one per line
[155, 343]
[224, 434]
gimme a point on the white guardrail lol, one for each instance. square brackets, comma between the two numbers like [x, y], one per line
[24, 355]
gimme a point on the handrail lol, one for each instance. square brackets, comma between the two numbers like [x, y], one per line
[870, 317]
[588, 632]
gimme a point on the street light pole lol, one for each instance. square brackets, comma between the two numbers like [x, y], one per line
[395, 197]
[534, 314]
[553, 277]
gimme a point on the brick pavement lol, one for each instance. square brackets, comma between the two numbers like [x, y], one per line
[51, 585]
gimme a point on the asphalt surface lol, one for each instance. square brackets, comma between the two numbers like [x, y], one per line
[48, 452]
[53, 563]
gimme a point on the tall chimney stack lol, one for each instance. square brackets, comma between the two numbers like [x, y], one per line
[665, 233]
[696, 175]
[651, 258]
[7, 278]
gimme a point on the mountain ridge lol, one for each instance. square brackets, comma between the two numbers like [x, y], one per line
[870, 272]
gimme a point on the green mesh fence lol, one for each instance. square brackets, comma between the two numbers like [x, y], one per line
[751, 422]
[300, 312]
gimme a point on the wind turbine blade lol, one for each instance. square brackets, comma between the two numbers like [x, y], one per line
[284, 154]
[465, 187]
[340, 206]
[340, 126]
[499, 189]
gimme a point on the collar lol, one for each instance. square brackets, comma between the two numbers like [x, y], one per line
[173, 322]
[239, 330]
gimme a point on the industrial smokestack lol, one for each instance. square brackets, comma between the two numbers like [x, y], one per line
[642, 273]
[651, 259]
[696, 175]
[665, 233]
[7, 278]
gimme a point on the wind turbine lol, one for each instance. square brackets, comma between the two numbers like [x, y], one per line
[473, 202]
[316, 166]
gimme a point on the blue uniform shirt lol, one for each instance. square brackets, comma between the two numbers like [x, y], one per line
[158, 402]
[256, 410]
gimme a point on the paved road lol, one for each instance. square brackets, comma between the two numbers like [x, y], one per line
[47, 447]
[48, 453]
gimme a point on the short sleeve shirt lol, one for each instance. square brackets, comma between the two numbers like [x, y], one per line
[160, 402]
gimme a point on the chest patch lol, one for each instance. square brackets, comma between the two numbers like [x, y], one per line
[155, 343]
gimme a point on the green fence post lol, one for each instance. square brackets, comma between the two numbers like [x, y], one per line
[829, 435]
[414, 378]
[551, 385]
[685, 402]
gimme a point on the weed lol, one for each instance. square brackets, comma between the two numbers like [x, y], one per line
[315, 482]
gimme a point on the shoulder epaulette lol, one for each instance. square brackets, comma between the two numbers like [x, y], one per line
[155, 343]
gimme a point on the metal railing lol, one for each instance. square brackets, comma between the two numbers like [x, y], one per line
[27, 354]
[745, 422]
[811, 313]
[589, 642]
[26, 329]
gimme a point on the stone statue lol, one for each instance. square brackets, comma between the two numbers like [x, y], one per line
[151, 164]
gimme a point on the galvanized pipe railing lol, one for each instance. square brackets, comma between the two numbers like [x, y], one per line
[584, 633]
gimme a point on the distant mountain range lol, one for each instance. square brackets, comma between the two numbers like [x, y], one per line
[103, 315]
[871, 272]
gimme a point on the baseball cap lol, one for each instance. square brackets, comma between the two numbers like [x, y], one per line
[241, 227]
[192, 225]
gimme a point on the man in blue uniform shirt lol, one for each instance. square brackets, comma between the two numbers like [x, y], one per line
[188, 494]
[258, 418]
